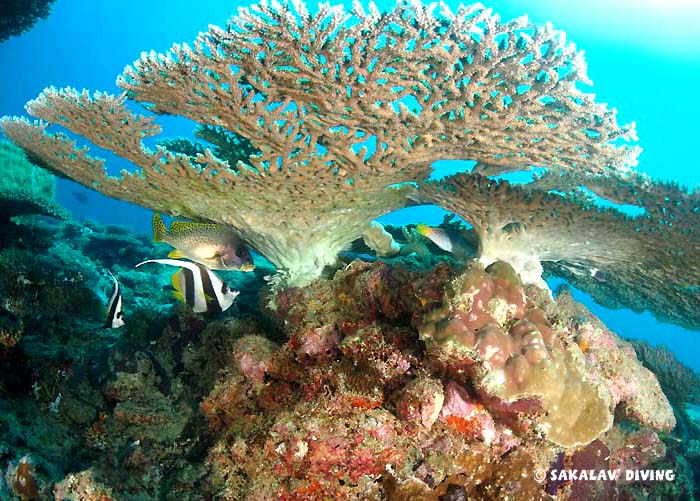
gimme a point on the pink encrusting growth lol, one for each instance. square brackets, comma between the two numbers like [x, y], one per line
[384, 382]
[490, 333]
[443, 378]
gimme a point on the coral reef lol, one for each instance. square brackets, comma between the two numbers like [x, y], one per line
[350, 387]
[24, 187]
[425, 375]
[327, 119]
[679, 383]
[641, 262]
[495, 336]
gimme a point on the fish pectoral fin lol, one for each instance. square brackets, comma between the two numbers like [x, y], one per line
[178, 295]
[175, 254]
[214, 256]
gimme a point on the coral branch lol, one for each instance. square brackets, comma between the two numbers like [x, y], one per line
[644, 262]
[326, 112]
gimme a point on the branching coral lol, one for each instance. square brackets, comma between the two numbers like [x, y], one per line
[664, 276]
[339, 108]
[643, 262]
[526, 227]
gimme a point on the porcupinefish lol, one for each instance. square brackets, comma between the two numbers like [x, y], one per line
[198, 286]
[115, 317]
[213, 245]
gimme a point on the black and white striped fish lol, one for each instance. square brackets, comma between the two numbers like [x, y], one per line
[115, 317]
[198, 286]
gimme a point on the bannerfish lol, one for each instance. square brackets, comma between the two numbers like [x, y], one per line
[198, 286]
[213, 245]
[115, 317]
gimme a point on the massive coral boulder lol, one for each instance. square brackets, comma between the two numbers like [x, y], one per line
[493, 335]
[335, 113]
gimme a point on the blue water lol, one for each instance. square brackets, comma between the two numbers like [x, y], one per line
[643, 56]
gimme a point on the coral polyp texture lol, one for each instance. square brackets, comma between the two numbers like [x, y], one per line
[337, 111]
[646, 262]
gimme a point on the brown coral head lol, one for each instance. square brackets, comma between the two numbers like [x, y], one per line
[22, 479]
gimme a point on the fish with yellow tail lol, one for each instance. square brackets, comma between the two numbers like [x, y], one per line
[198, 286]
[457, 242]
[436, 235]
[213, 245]
[115, 317]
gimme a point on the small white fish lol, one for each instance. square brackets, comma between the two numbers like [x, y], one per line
[436, 235]
[115, 317]
[198, 286]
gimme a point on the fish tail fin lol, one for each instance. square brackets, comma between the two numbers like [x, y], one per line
[160, 231]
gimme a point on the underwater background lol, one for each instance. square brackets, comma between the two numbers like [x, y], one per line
[643, 58]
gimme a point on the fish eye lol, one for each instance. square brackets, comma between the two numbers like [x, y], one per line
[224, 289]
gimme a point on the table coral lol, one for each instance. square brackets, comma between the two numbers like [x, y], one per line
[649, 261]
[337, 112]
